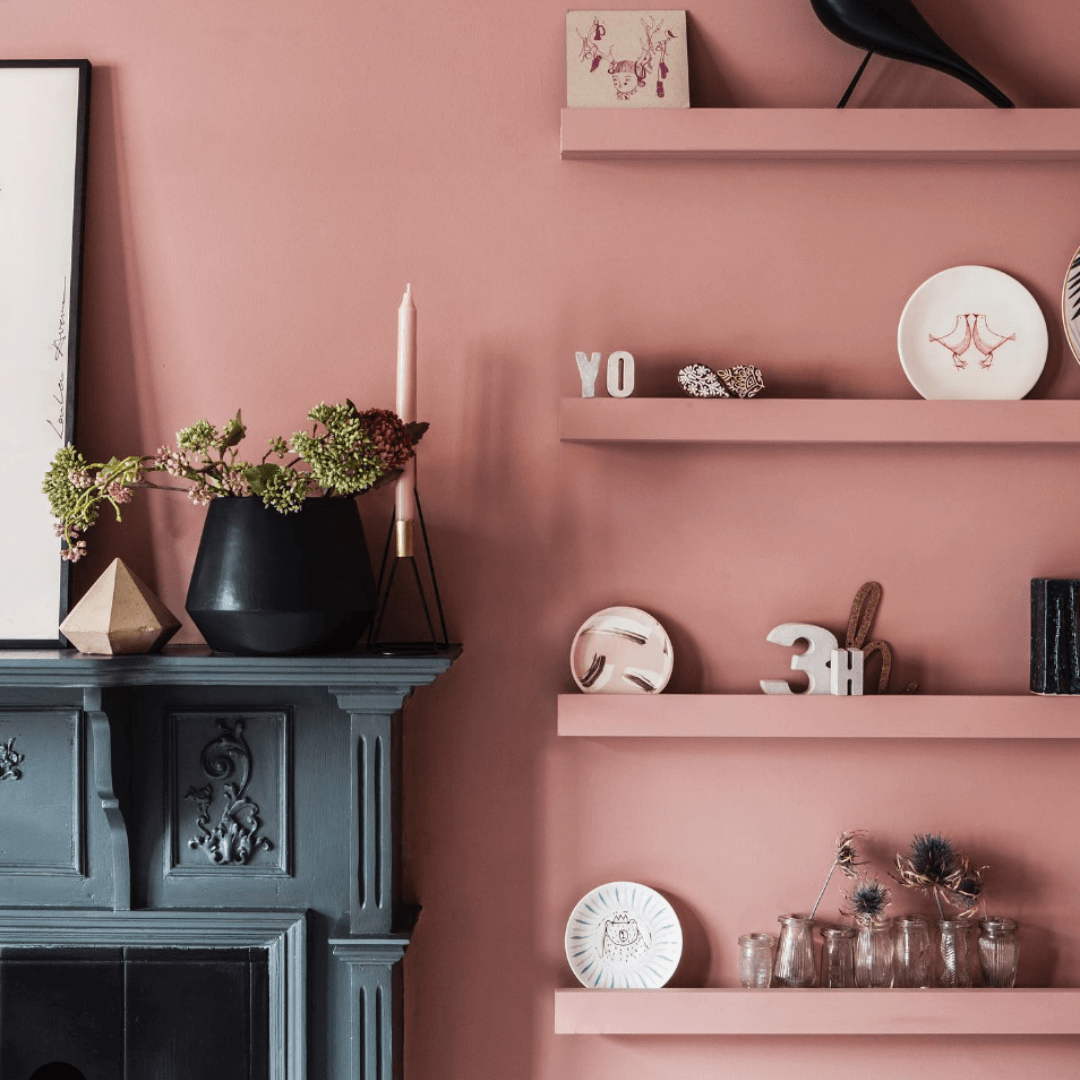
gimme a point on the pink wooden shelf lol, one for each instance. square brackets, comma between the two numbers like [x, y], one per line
[976, 134]
[817, 420]
[817, 1012]
[772, 716]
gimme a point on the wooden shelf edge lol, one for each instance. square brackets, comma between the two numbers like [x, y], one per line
[819, 420]
[1036, 1011]
[978, 134]
[798, 716]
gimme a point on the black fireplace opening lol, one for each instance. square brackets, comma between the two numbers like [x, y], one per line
[146, 1013]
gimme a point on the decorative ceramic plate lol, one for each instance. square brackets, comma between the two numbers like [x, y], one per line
[972, 332]
[621, 650]
[623, 936]
[1070, 305]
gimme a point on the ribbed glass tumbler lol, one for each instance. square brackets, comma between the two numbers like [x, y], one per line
[954, 954]
[837, 957]
[999, 951]
[874, 955]
[913, 956]
[794, 966]
[755, 961]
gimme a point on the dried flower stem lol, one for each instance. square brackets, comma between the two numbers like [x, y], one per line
[847, 858]
[823, 888]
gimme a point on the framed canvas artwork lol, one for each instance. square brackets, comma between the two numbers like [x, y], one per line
[43, 132]
[626, 60]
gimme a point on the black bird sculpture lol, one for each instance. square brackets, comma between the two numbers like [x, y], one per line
[894, 28]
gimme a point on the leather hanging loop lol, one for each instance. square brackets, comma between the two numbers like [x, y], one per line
[886, 662]
[860, 621]
[863, 611]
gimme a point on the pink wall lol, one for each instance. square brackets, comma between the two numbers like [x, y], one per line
[264, 179]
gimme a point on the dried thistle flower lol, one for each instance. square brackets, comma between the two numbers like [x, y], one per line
[933, 857]
[934, 866]
[846, 858]
[967, 892]
[867, 901]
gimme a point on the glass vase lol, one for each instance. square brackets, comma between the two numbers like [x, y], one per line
[837, 957]
[954, 954]
[755, 961]
[999, 951]
[794, 965]
[874, 955]
[913, 956]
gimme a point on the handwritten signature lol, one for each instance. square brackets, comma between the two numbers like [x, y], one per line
[59, 348]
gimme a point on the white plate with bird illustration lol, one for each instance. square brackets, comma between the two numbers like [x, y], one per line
[972, 333]
[623, 936]
[621, 650]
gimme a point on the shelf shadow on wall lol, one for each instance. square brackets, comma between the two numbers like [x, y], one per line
[708, 88]
[693, 969]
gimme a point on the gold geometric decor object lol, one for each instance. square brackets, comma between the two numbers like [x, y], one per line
[119, 615]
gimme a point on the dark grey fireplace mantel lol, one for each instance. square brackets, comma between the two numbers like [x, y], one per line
[189, 790]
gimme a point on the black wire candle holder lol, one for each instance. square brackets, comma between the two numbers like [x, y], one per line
[401, 547]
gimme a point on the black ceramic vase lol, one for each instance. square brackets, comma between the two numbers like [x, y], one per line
[272, 584]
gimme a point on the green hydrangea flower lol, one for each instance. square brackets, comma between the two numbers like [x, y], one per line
[343, 460]
[285, 490]
[199, 437]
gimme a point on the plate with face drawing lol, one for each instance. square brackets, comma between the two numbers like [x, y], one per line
[623, 936]
[974, 333]
[621, 650]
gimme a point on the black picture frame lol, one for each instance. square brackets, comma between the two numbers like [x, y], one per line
[44, 120]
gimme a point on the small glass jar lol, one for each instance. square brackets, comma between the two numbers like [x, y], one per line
[794, 965]
[913, 956]
[755, 961]
[954, 954]
[837, 957]
[999, 951]
[874, 955]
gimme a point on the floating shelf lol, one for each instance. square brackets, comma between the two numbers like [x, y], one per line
[976, 134]
[817, 420]
[817, 1012]
[819, 716]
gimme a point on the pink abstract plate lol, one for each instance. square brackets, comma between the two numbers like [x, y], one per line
[972, 332]
[621, 650]
[1070, 305]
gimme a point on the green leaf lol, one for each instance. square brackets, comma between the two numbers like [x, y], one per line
[233, 432]
[258, 476]
[386, 478]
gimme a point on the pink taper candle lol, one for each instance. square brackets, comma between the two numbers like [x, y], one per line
[406, 408]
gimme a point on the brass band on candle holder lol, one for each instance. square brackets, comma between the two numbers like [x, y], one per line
[403, 539]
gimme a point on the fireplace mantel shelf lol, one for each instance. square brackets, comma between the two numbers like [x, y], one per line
[196, 665]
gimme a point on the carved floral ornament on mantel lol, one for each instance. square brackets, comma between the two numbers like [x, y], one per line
[9, 759]
[234, 838]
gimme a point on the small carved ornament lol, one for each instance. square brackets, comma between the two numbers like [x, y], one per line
[741, 380]
[9, 759]
[699, 381]
[234, 838]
